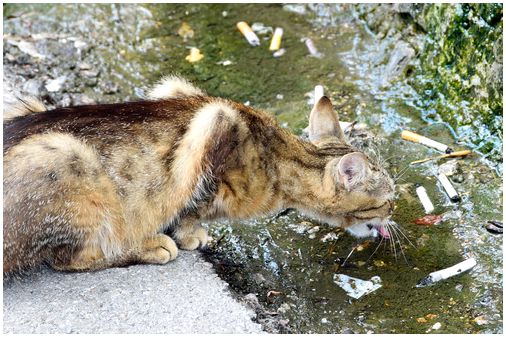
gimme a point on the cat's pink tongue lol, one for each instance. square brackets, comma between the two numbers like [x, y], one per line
[383, 232]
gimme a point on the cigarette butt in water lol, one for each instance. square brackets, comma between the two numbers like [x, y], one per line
[248, 33]
[318, 93]
[443, 274]
[279, 53]
[462, 153]
[414, 137]
[312, 49]
[276, 39]
[424, 198]
[447, 185]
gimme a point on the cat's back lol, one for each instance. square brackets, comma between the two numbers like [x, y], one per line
[106, 123]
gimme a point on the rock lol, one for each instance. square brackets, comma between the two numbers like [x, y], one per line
[110, 88]
[283, 308]
[252, 301]
[84, 100]
[28, 48]
[83, 66]
[400, 58]
[89, 73]
[56, 84]
[65, 101]
[449, 168]
[33, 87]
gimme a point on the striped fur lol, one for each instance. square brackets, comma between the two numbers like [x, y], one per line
[90, 187]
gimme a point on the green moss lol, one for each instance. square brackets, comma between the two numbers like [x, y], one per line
[461, 67]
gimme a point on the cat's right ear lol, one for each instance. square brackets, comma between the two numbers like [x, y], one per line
[324, 123]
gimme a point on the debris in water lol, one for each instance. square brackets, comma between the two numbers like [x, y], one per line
[480, 320]
[248, 33]
[276, 39]
[329, 237]
[462, 153]
[414, 137]
[225, 63]
[355, 287]
[448, 187]
[436, 326]
[429, 220]
[260, 28]
[424, 198]
[272, 293]
[312, 49]
[494, 227]
[279, 53]
[447, 273]
[194, 55]
[449, 168]
[379, 263]
[185, 31]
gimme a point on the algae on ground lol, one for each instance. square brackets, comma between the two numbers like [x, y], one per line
[461, 66]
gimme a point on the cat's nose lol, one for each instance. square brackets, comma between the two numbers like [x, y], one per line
[370, 226]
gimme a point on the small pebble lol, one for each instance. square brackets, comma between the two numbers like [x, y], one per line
[436, 326]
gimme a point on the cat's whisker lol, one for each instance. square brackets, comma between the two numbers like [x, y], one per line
[392, 243]
[379, 244]
[396, 234]
[401, 173]
[402, 233]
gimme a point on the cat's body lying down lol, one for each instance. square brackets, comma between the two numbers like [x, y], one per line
[90, 187]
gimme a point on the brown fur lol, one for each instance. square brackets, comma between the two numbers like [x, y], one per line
[90, 187]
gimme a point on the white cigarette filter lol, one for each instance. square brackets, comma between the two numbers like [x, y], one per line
[248, 33]
[318, 93]
[414, 137]
[443, 274]
[276, 39]
[424, 198]
[312, 48]
[447, 185]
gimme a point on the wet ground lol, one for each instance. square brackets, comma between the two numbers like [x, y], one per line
[106, 53]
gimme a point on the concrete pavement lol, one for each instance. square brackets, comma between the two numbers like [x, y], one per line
[184, 296]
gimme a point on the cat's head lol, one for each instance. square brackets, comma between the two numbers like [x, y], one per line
[356, 192]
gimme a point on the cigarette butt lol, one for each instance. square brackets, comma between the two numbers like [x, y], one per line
[311, 48]
[276, 39]
[448, 187]
[443, 274]
[462, 153]
[248, 33]
[416, 138]
[424, 198]
[318, 93]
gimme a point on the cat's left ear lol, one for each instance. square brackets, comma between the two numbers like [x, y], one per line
[352, 169]
[324, 123]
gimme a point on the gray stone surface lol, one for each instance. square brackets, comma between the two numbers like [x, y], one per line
[184, 296]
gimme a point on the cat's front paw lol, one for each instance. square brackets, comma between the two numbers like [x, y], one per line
[191, 240]
[159, 249]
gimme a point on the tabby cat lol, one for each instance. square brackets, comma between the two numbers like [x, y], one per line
[94, 186]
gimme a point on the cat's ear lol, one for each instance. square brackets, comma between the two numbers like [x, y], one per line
[324, 123]
[352, 169]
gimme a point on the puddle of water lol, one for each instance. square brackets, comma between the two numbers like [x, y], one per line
[134, 45]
